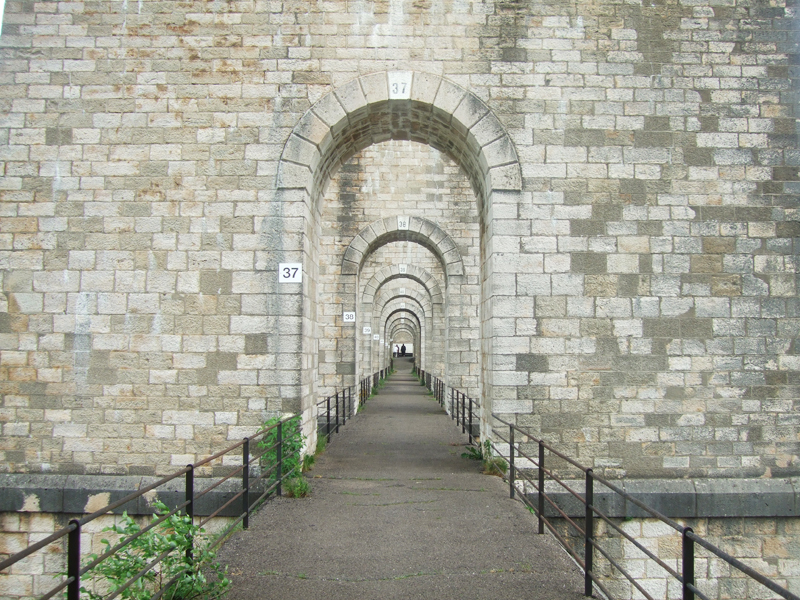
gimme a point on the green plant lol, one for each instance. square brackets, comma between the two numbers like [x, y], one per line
[187, 558]
[308, 462]
[493, 465]
[292, 446]
[473, 453]
[297, 487]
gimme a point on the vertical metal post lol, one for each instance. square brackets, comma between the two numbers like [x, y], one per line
[190, 505]
[452, 402]
[74, 561]
[246, 483]
[541, 487]
[279, 460]
[470, 419]
[511, 460]
[687, 569]
[588, 547]
[337, 412]
[328, 418]
[344, 408]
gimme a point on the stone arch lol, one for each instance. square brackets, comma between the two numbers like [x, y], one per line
[395, 306]
[413, 272]
[416, 106]
[419, 107]
[423, 302]
[421, 231]
[434, 355]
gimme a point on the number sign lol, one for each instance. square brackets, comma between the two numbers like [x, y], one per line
[290, 272]
[349, 317]
[399, 86]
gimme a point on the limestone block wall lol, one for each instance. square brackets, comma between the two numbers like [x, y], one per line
[36, 575]
[768, 545]
[628, 274]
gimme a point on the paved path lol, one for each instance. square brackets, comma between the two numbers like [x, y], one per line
[396, 512]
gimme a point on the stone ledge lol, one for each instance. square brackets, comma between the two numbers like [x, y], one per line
[684, 498]
[675, 498]
[84, 494]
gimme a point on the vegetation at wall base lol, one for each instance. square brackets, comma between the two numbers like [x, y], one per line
[292, 445]
[296, 487]
[187, 556]
[491, 465]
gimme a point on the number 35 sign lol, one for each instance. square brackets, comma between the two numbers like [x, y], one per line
[290, 273]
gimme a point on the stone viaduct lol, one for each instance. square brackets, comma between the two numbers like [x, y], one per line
[583, 214]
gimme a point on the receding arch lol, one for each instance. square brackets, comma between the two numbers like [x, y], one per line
[413, 272]
[416, 298]
[385, 231]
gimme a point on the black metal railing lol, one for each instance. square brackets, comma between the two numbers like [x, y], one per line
[256, 477]
[592, 513]
[334, 411]
[369, 385]
[462, 410]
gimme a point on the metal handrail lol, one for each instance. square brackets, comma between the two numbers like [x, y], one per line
[591, 543]
[75, 571]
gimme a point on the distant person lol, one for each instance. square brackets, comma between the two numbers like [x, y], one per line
[403, 350]
[396, 351]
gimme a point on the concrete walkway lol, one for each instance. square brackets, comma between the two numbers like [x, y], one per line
[396, 512]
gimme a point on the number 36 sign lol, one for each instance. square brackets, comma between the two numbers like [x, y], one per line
[290, 273]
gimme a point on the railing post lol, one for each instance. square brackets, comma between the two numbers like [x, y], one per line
[337, 412]
[541, 487]
[328, 419]
[74, 561]
[588, 548]
[470, 419]
[463, 413]
[687, 570]
[190, 505]
[246, 483]
[511, 460]
[452, 402]
[344, 408]
[279, 460]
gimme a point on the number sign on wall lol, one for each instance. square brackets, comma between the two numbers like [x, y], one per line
[290, 273]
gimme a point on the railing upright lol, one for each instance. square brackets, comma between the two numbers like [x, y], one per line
[463, 413]
[328, 418]
[541, 487]
[588, 549]
[512, 489]
[246, 483]
[470, 420]
[279, 461]
[337, 412]
[687, 566]
[190, 504]
[74, 561]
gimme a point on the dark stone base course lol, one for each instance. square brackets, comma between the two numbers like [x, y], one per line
[71, 494]
[700, 498]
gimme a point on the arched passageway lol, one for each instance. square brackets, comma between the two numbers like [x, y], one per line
[394, 174]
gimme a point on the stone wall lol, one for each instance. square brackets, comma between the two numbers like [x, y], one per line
[616, 236]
